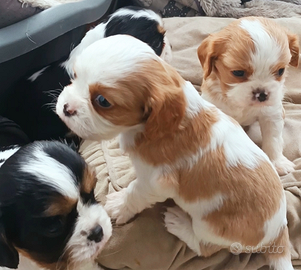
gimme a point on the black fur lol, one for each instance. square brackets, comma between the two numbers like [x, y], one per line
[141, 28]
[31, 106]
[23, 201]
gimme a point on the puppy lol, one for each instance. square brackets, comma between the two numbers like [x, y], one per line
[181, 146]
[32, 99]
[49, 217]
[140, 23]
[245, 66]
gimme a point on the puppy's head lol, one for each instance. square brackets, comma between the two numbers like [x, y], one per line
[48, 211]
[121, 84]
[143, 24]
[250, 58]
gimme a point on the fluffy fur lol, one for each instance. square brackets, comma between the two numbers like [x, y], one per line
[245, 66]
[49, 217]
[182, 147]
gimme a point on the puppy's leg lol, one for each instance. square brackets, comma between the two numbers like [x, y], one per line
[272, 142]
[278, 255]
[125, 204]
[179, 224]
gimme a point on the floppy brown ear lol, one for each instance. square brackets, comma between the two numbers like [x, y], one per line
[9, 256]
[166, 104]
[166, 114]
[208, 51]
[294, 48]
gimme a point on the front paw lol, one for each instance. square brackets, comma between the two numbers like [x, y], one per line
[283, 165]
[178, 223]
[116, 206]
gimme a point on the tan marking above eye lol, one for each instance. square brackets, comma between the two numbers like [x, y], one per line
[161, 30]
[60, 205]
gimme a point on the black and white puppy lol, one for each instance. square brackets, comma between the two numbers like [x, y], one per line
[143, 24]
[33, 98]
[49, 217]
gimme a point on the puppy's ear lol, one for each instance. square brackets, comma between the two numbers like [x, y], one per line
[294, 48]
[166, 106]
[9, 256]
[208, 52]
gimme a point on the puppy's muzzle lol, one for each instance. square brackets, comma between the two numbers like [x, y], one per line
[68, 111]
[96, 234]
[260, 94]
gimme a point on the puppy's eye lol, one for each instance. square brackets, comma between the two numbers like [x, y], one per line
[280, 71]
[53, 226]
[102, 102]
[238, 73]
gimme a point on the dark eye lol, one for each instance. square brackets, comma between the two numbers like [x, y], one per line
[238, 73]
[102, 102]
[280, 71]
[52, 226]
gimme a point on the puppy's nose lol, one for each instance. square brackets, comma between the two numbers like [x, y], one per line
[260, 95]
[68, 111]
[96, 234]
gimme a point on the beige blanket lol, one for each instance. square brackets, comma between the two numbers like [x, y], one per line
[144, 243]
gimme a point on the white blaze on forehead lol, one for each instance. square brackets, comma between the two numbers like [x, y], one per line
[146, 13]
[112, 58]
[51, 172]
[267, 50]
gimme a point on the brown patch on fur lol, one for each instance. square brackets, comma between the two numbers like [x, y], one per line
[89, 180]
[161, 29]
[121, 112]
[245, 194]
[167, 149]
[60, 206]
[294, 48]
[152, 95]
[165, 108]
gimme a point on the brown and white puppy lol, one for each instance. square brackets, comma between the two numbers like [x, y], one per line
[181, 146]
[245, 65]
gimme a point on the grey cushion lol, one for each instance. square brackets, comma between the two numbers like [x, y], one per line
[12, 11]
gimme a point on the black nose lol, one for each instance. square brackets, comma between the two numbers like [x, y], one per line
[96, 234]
[67, 111]
[260, 95]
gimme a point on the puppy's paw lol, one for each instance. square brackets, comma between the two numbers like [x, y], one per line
[116, 206]
[283, 165]
[179, 224]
